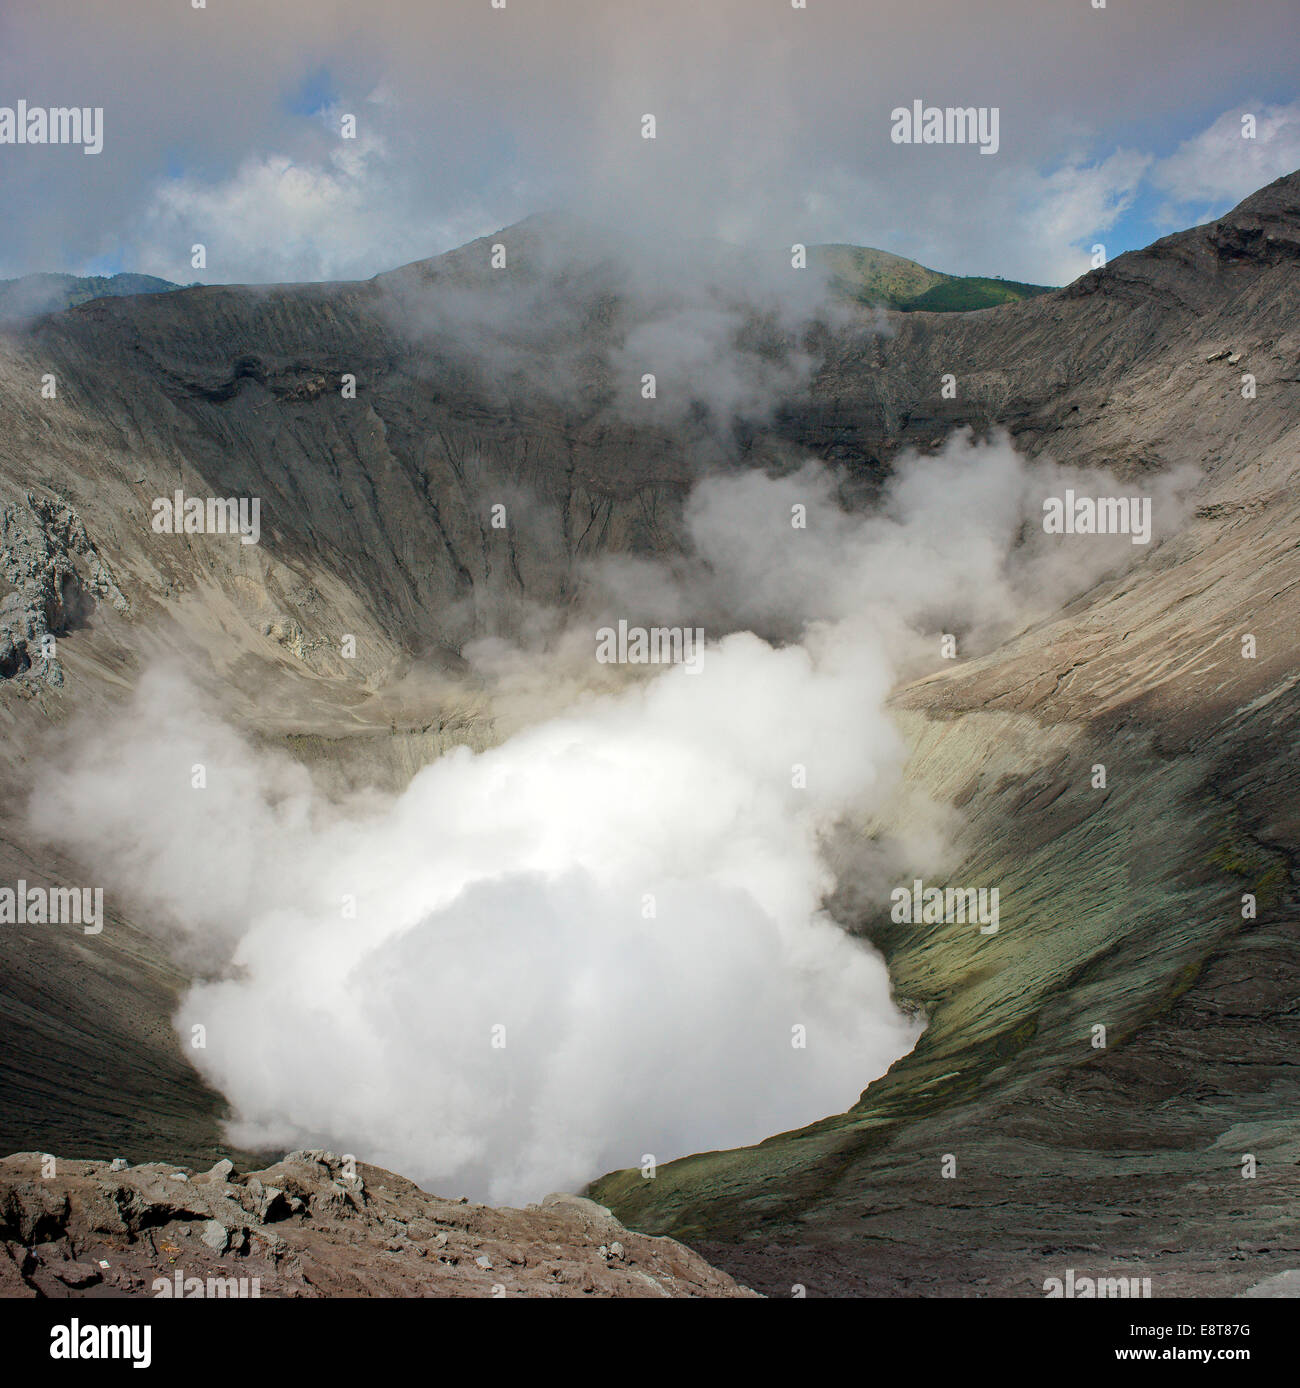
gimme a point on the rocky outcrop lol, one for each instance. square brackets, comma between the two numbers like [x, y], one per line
[54, 576]
[312, 1225]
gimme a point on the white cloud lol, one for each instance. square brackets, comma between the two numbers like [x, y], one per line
[1064, 210]
[774, 125]
[345, 212]
[633, 888]
[1220, 166]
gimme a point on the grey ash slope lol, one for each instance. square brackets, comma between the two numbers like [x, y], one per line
[375, 521]
[1120, 908]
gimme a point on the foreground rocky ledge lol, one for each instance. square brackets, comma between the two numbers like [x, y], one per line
[312, 1225]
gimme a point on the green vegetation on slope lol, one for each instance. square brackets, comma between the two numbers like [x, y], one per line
[870, 277]
[33, 295]
[965, 292]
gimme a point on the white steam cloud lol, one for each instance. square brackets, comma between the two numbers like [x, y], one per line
[581, 312]
[633, 889]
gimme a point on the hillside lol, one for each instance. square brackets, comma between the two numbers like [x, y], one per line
[44, 293]
[871, 277]
[1122, 909]
[1129, 903]
[863, 275]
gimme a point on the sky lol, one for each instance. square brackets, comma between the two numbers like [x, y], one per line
[223, 126]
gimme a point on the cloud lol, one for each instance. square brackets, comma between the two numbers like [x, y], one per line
[629, 892]
[1065, 209]
[581, 314]
[279, 218]
[632, 891]
[1220, 166]
[773, 124]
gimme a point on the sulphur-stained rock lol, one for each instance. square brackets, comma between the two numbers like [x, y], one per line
[56, 575]
[357, 1231]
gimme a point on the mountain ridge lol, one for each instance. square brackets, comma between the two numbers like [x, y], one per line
[859, 274]
[374, 522]
[30, 296]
